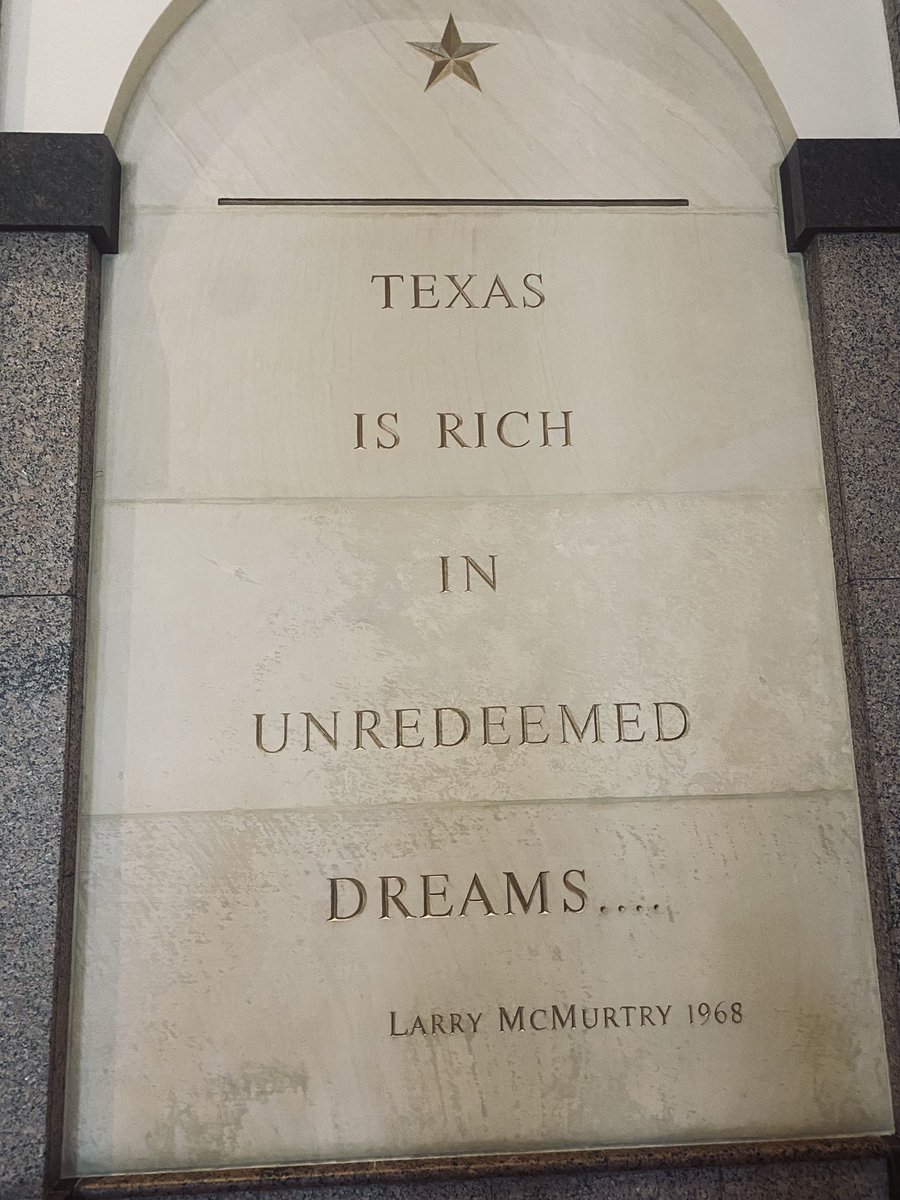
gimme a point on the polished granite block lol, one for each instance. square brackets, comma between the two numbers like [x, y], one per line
[863, 630]
[854, 290]
[853, 285]
[49, 308]
[876, 615]
[35, 833]
[892, 15]
[877, 609]
[836, 1180]
[840, 185]
[852, 282]
[64, 181]
[260, 1189]
[794, 1181]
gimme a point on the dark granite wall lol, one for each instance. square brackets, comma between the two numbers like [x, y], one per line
[800, 1181]
[892, 16]
[49, 303]
[853, 284]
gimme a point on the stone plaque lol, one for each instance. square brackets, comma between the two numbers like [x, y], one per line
[468, 761]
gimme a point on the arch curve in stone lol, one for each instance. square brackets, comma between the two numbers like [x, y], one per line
[713, 12]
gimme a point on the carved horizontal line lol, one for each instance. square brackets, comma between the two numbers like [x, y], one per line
[368, 202]
[345, 810]
[498, 497]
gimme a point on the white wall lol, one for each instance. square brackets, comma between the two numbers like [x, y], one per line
[63, 62]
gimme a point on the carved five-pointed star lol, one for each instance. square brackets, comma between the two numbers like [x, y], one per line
[451, 56]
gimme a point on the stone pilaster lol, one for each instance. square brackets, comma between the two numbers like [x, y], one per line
[842, 209]
[853, 282]
[49, 310]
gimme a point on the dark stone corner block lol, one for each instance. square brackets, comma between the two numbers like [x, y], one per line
[61, 182]
[840, 185]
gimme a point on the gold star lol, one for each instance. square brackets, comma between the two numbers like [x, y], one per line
[451, 56]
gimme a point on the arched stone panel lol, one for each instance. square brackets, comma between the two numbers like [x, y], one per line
[286, 448]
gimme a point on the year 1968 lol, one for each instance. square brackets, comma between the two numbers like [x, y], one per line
[722, 1013]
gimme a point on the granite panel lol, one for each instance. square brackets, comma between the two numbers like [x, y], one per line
[462, 1189]
[876, 823]
[745, 1173]
[49, 309]
[35, 660]
[62, 181]
[834, 185]
[892, 16]
[854, 291]
[817, 302]
[876, 608]
[852, 281]
[863, 1180]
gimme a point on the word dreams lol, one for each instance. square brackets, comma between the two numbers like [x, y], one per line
[428, 896]
[489, 725]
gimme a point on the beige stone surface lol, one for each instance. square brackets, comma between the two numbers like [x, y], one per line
[249, 558]
[222, 1019]
[206, 614]
[240, 345]
[592, 98]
